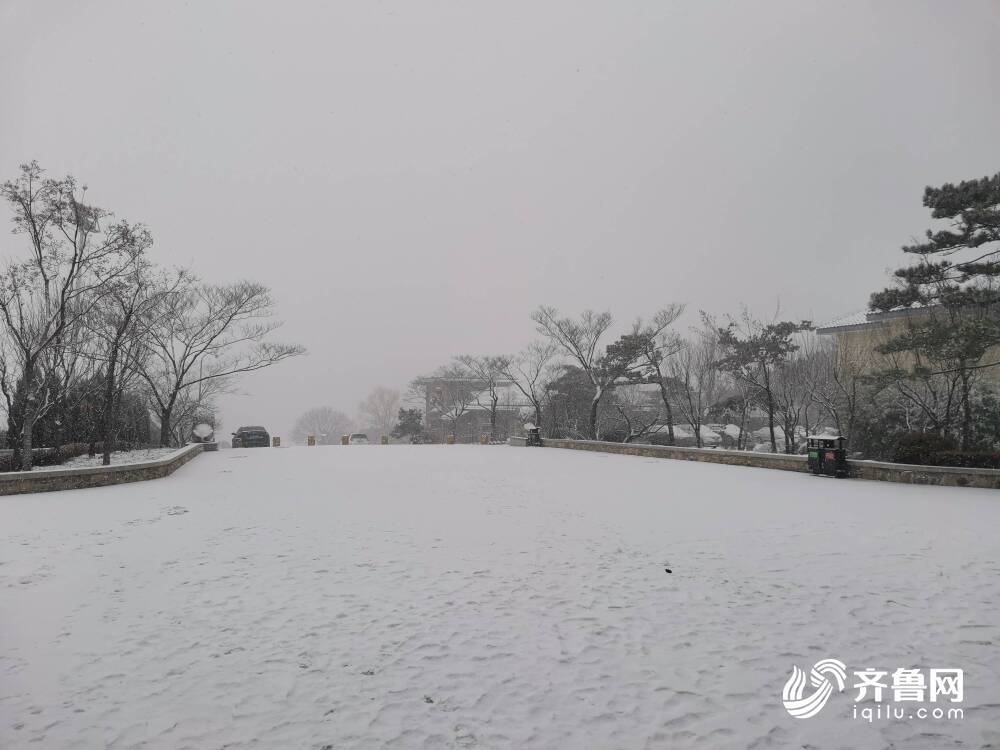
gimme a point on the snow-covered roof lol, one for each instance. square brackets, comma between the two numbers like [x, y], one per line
[866, 318]
[855, 319]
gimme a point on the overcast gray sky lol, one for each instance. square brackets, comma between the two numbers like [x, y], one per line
[413, 178]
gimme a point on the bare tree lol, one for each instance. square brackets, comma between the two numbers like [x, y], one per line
[324, 422]
[530, 372]
[116, 327]
[695, 377]
[838, 382]
[792, 397]
[934, 397]
[633, 410]
[580, 339]
[449, 394]
[490, 371]
[380, 408]
[568, 396]
[821, 386]
[194, 405]
[204, 333]
[43, 299]
[652, 346]
[752, 350]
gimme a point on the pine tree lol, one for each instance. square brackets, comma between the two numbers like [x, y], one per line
[955, 287]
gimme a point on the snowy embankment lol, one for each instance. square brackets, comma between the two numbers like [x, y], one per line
[119, 458]
[492, 597]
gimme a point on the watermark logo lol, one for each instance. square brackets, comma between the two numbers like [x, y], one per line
[822, 677]
[909, 689]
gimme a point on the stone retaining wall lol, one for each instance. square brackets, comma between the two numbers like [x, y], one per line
[946, 476]
[55, 479]
[875, 470]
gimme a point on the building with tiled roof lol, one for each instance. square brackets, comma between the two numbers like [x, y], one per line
[861, 334]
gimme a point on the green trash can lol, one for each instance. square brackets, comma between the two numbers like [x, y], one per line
[827, 455]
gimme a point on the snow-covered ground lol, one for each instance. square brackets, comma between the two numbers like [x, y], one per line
[118, 458]
[490, 597]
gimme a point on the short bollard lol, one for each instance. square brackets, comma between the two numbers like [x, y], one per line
[275, 442]
[311, 440]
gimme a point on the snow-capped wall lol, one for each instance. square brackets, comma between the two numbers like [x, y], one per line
[882, 471]
[56, 479]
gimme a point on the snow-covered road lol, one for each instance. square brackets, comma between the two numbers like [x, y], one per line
[490, 597]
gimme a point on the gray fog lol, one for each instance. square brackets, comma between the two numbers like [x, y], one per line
[412, 179]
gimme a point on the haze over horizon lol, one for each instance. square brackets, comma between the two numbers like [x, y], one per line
[413, 180]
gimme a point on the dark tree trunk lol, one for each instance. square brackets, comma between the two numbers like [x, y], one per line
[165, 435]
[966, 413]
[493, 418]
[594, 404]
[107, 413]
[770, 426]
[694, 421]
[27, 428]
[28, 417]
[770, 410]
[14, 442]
[789, 437]
[670, 412]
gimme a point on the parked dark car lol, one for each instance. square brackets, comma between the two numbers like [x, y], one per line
[253, 436]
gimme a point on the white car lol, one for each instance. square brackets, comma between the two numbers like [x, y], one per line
[357, 438]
